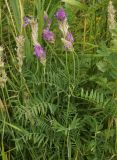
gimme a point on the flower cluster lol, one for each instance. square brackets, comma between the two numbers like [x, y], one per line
[26, 21]
[3, 76]
[40, 53]
[61, 15]
[38, 49]
[64, 28]
[48, 35]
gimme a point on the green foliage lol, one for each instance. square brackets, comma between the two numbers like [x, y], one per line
[67, 108]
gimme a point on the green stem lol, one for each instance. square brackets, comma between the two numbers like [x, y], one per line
[69, 146]
[74, 67]
[78, 62]
[44, 72]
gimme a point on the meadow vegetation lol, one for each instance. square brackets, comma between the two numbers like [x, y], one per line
[58, 80]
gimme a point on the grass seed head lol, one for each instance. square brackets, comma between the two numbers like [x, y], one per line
[20, 51]
[111, 16]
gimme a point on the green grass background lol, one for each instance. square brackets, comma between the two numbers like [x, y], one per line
[66, 110]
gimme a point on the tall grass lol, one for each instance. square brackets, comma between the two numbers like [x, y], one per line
[67, 108]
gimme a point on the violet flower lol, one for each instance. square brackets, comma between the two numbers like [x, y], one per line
[26, 21]
[61, 15]
[68, 41]
[69, 37]
[40, 53]
[48, 35]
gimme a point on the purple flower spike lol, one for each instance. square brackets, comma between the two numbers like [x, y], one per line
[26, 21]
[40, 53]
[69, 37]
[61, 15]
[48, 35]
